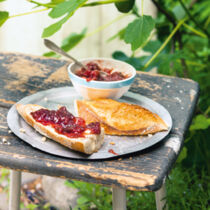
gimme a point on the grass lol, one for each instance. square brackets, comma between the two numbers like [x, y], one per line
[186, 189]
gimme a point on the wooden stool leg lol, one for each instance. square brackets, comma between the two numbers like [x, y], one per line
[160, 197]
[15, 186]
[118, 198]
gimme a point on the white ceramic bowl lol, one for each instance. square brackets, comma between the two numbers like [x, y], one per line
[100, 89]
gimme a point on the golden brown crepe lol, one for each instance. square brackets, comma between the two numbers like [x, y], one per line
[120, 118]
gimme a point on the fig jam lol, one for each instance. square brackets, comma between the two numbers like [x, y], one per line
[92, 72]
[65, 123]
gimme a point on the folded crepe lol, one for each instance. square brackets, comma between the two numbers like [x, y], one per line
[119, 118]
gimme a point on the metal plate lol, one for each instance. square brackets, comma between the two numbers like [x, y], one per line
[65, 96]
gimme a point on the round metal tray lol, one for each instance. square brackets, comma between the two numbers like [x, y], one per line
[52, 98]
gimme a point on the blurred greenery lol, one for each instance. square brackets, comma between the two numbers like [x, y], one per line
[186, 55]
[185, 190]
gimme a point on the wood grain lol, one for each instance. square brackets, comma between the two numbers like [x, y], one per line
[22, 75]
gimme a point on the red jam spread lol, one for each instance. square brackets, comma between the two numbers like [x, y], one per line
[112, 151]
[65, 123]
[94, 72]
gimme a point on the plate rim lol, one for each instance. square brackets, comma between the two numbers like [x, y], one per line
[39, 94]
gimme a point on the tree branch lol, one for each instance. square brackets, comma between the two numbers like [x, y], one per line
[192, 18]
[184, 65]
[96, 3]
[162, 10]
[28, 13]
[178, 34]
[165, 42]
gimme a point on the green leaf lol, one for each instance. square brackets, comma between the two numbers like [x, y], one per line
[200, 123]
[135, 10]
[70, 184]
[120, 34]
[72, 40]
[138, 31]
[135, 62]
[51, 54]
[3, 17]
[57, 1]
[2, 0]
[69, 42]
[182, 155]
[31, 206]
[66, 7]
[81, 200]
[203, 10]
[152, 46]
[125, 6]
[179, 12]
[50, 30]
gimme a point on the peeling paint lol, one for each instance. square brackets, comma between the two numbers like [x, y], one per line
[146, 85]
[6, 101]
[59, 75]
[3, 127]
[18, 156]
[192, 94]
[127, 178]
[178, 99]
[156, 74]
[174, 143]
[166, 80]
[130, 180]
[48, 164]
[134, 173]
[25, 68]
[142, 180]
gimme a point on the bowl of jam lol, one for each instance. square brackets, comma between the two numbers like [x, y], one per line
[101, 78]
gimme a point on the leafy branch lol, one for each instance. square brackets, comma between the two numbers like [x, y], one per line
[142, 7]
[39, 4]
[137, 33]
[97, 3]
[165, 12]
[100, 28]
[28, 13]
[165, 43]
[192, 18]
[195, 31]
[73, 39]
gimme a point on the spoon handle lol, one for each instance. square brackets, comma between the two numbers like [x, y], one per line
[52, 46]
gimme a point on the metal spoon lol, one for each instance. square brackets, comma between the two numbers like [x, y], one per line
[52, 46]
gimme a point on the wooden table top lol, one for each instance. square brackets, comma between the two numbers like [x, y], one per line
[22, 75]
